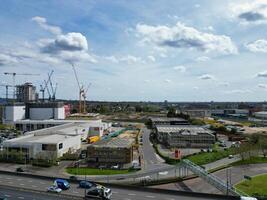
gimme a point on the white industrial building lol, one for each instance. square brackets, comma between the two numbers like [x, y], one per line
[33, 111]
[53, 141]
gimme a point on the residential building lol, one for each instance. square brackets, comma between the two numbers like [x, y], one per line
[168, 121]
[26, 93]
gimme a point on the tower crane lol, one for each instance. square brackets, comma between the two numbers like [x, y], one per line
[84, 97]
[45, 87]
[13, 74]
[7, 86]
[81, 89]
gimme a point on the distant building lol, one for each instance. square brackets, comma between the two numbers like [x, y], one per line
[116, 151]
[197, 113]
[185, 136]
[34, 111]
[260, 115]
[168, 121]
[26, 93]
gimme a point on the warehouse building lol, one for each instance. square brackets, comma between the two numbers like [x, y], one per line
[168, 121]
[108, 153]
[47, 143]
[184, 136]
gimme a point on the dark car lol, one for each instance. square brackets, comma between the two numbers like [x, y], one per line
[19, 169]
[62, 184]
[73, 178]
[86, 184]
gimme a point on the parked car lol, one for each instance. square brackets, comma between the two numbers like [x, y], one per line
[73, 178]
[86, 184]
[62, 184]
[54, 189]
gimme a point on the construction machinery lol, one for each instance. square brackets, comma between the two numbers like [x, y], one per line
[7, 86]
[45, 87]
[13, 74]
[93, 139]
[82, 92]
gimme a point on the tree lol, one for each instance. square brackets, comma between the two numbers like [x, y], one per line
[263, 145]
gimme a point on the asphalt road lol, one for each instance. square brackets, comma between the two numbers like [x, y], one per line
[151, 159]
[199, 185]
[41, 186]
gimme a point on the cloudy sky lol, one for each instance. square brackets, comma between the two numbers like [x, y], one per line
[186, 50]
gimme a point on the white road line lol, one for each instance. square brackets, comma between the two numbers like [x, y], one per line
[21, 184]
[114, 192]
[19, 179]
[21, 197]
[8, 178]
[30, 181]
[7, 195]
[132, 194]
[34, 186]
[42, 183]
[150, 196]
[75, 192]
[126, 199]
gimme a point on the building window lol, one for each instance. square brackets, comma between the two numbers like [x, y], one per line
[49, 147]
[60, 146]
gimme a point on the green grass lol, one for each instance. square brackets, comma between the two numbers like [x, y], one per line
[252, 160]
[255, 187]
[208, 157]
[92, 171]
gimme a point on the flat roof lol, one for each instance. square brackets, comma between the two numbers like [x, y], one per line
[55, 121]
[167, 119]
[183, 129]
[44, 139]
[114, 142]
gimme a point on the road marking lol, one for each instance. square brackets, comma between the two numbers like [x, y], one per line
[34, 186]
[75, 192]
[19, 179]
[21, 184]
[150, 196]
[42, 183]
[114, 192]
[7, 195]
[30, 181]
[21, 197]
[8, 178]
[131, 194]
[127, 199]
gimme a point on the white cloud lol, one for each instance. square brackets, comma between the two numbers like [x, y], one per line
[130, 59]
[181, 36]
[237, 91]
[262, 74]
[180, 68]
[258, 46]
[264, 86]
[202, 59]
[68, 42]
[147, 81]
[41, 21]
[196, 88]
[151, 58]
[7, 59]
[250, 11]
[167, 80]
[206, 77]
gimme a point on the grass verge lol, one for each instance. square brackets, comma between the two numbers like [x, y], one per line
[252, 160]
[255, 187]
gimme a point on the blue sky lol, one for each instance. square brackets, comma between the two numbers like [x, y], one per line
[142, 50]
